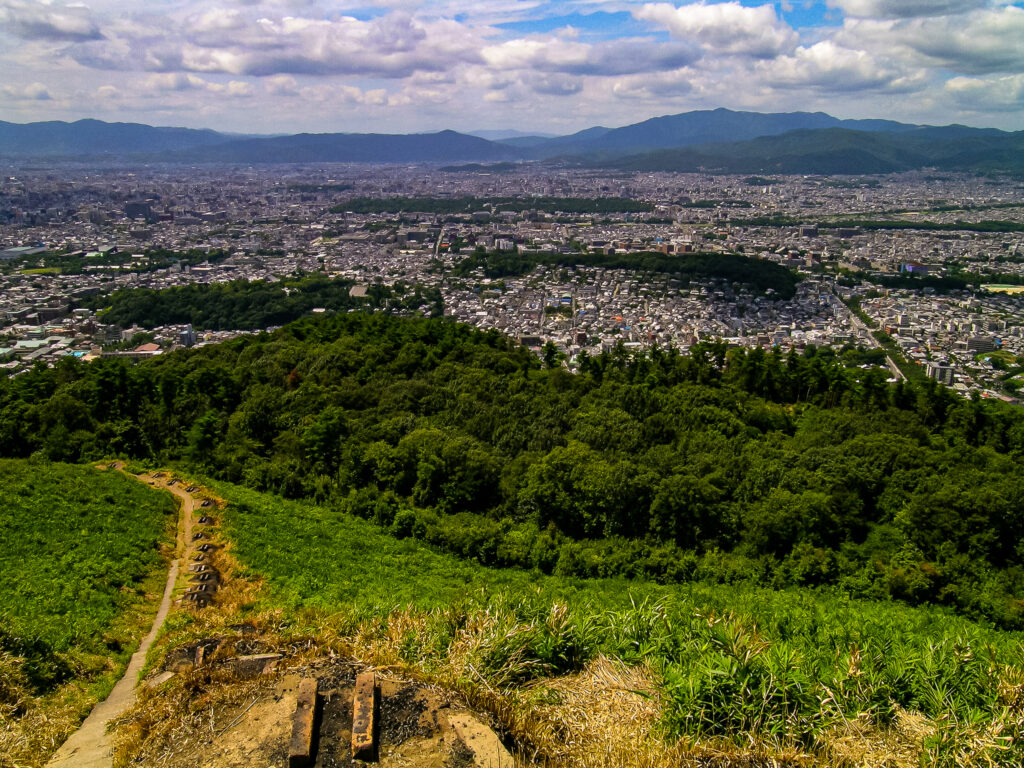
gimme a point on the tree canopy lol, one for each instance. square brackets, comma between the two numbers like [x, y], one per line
[722, 465]
[249, 305]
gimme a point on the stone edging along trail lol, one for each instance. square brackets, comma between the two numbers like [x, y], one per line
[90, 745]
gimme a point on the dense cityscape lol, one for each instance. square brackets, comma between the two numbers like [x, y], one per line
[73, 232]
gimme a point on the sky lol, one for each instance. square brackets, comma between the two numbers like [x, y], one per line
[551, 66]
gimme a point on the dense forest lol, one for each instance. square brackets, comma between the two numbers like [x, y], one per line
[851, 222]
[760, 275]
[245, 305]
[955, 280]
[932, 226]
[452, 205]
[77, 262]
[718, 465]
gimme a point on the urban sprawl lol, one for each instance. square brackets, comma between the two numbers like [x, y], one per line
[275, 222]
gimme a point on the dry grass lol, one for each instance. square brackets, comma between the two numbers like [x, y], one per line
[37, 728]
[859, 742]
[607, 714]
[169, 721]
[596, 717]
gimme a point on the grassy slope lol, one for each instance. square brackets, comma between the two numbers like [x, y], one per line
[787, 667]
[81, 573]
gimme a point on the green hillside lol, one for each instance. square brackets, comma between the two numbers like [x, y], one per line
[796, 557]
[81, 569]
[787, 669]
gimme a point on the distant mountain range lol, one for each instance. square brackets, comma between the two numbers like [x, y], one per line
[445, 146]
[717, 140]
[94, 137]
[842, 151]
[506, 135]
[694, 128]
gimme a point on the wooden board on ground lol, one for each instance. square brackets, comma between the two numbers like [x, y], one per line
[300, 751]
[364, 702]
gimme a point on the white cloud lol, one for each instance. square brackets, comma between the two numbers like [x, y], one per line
[666, 86]
[281, 85]
[42, 21]
[392, 46]
[37, 92]
[555, 84]
[614, 57]
[218, 20]
[30, 92]
[978, 42]
[169, 82]
[723, 27]
[499, 97]
[995, 94]
[481, 12]
[174, 81]
[346, 95]
[833, 68]
[109, 93]
[238, 88]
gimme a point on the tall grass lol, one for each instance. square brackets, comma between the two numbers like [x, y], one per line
[791, 672]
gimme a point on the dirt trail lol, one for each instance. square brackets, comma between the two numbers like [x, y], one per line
[90, 746]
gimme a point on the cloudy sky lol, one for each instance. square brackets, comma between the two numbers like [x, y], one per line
[266, 66]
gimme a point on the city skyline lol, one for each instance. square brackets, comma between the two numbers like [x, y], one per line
[289, 66]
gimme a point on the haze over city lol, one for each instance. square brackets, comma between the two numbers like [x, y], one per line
[286, 66]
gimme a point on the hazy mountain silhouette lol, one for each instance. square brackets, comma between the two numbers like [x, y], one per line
[716, 140]
[842, 151]
[445, 146]
[95, 137]
[701, 127]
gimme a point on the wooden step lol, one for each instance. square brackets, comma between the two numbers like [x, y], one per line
[300, 751]
[364, 715]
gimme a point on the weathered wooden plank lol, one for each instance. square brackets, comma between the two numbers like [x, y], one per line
[300, 750]
[364, 705]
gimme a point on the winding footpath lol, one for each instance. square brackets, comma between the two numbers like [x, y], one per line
[90, 746]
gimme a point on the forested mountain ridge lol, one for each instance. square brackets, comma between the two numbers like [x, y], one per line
[718, 465]
[840, 151]
[719, 140]
[704, 127]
